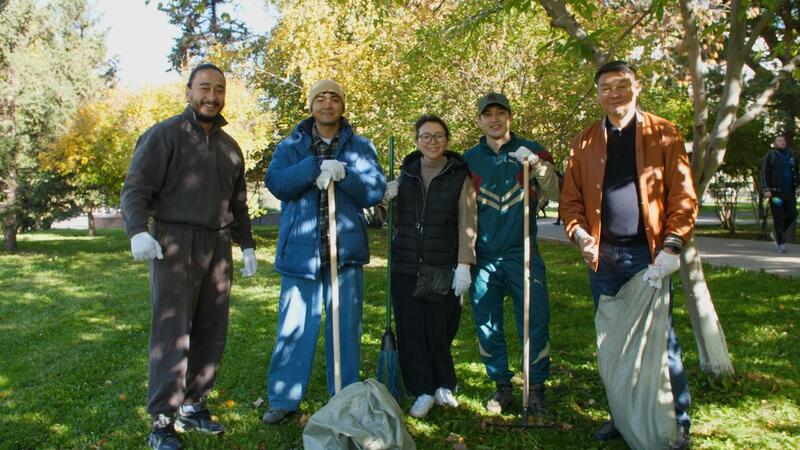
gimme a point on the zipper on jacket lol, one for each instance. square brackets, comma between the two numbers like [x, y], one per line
[420, 220]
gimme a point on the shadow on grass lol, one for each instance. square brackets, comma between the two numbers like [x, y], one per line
[74, 324]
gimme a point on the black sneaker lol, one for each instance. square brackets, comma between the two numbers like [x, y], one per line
[607, 431]
[536, 403]
[163, 436]
[682, 438]
[502, 399]
[199, 420]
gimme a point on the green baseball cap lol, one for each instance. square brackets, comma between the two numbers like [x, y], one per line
[493, 98]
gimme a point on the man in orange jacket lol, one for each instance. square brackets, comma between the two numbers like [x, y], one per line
[629, 173]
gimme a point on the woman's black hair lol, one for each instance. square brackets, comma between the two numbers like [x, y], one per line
[425, 118]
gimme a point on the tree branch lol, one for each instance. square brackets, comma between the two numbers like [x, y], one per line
[761, 102]
[765, 19]
[561, 18]
[628, 31]
[697, 71]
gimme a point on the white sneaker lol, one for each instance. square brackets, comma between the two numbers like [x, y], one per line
[421, 407]
[445, 396]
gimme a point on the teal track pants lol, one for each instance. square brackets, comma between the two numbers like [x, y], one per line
[492, 280]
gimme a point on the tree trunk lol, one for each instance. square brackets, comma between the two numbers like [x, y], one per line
[8, 208]
[10, 235]
[92, 227]
[711, 344]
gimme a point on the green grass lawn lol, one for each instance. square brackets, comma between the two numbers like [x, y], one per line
[74, 324]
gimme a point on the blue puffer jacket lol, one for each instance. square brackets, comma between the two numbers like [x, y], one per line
[291, 178]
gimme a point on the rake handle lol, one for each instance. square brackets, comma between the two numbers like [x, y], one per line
[337, 356]
[526, 286]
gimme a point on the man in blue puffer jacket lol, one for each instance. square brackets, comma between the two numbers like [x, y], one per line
[322, 149]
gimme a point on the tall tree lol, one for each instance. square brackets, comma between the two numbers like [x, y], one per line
[738, 25]
[51, 57]
[205, 26]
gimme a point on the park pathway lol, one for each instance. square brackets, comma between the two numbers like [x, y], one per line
[750, 255]
[747, 254]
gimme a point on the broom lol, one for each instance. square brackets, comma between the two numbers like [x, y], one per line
[388, 366]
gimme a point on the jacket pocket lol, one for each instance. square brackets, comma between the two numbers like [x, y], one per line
[285, 230]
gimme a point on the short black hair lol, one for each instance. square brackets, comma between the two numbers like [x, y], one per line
[204, 66]
[425, 118]
[614, 66]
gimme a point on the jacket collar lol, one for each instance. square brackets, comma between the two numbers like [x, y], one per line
[191, 116]
[639, 119]
[412, 162]
[345, 130]
[511, 144]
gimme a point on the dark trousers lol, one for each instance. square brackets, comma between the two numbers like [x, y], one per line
[783, 216]
[425, 333]
[617, 266]
[190, 290]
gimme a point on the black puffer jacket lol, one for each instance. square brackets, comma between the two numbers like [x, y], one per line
[428, 221]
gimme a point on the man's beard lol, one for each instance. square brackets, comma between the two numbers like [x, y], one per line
[204, 118]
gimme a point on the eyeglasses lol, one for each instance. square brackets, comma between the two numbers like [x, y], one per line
[427, 138]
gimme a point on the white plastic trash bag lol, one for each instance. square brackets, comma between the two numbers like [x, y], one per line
[632, 329]
[361, 416]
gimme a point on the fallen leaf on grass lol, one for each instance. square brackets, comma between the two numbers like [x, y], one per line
[303, 420]
[258, 402]
[454, 438]
[123, 397]
[565, 426]
[230, 403]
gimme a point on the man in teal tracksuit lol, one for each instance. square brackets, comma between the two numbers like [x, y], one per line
[496, 169]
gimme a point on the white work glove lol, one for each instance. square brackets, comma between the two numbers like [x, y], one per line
[461, 279]
[587, 245]
[523, 154]
[664, 266]
[250, 262]
[391, 190]
[335, 168]
[322, 180]
[143, 246]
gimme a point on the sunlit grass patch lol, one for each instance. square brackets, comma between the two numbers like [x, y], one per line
[75, 322]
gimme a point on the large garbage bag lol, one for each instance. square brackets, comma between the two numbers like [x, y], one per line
[361, 416]
[632, 329]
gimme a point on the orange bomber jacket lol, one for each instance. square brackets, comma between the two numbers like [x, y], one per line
[668, 200]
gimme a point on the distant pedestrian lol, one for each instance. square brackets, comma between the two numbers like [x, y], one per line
[780, 177]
